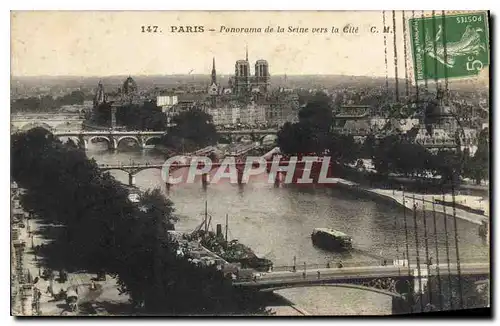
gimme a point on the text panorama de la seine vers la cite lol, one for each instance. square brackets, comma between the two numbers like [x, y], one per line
[348, 28]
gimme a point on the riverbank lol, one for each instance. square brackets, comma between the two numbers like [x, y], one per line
[38, 295]
[423, 201]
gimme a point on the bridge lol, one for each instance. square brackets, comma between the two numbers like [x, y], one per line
[240, 149]
[132, 169]
[112, 137]
[254, 134]
[49, 121]
[395, 280]
[143, 138]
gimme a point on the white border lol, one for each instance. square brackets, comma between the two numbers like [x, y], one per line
[191, 5]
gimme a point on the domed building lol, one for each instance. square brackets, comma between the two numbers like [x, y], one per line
[129, 86]
[126, 95]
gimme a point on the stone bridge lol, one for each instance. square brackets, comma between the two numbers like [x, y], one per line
[236, 136]
[51, 122]
[113, 138]
[145, 138]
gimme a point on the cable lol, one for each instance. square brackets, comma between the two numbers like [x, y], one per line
[407, 91]
[395, 55]
[407, 245]
[417, 251]
[424, 64]
[385, 56]
[416, 78]
[447, 251]
[443, 15]
[396, 240]
[437, 255]
[461, 298]
[429, 290]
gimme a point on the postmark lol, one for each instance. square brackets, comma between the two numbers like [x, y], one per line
[449, 46]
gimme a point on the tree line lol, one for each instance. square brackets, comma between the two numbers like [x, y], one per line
[46, 103]
[103, 231]
[147, 116]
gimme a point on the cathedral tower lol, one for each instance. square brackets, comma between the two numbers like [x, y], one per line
[214, 74]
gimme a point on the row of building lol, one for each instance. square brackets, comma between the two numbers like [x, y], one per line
[275, 109]
[361, 121]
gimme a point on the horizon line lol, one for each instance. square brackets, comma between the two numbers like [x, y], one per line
[184, 74]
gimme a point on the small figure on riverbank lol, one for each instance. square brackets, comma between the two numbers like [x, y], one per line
[340, 264]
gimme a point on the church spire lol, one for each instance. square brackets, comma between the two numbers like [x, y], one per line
[246, 53]
[214, 74]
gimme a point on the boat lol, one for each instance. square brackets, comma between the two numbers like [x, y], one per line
[231, 251]
[331, 239]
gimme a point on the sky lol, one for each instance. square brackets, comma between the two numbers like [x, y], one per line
[99, 43]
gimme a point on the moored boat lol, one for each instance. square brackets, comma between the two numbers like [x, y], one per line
[331, 239]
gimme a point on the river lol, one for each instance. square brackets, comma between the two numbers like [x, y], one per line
[277, 222]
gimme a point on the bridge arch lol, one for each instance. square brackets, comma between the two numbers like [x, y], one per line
[269, 138]
[32, 125]
[340, 285]
[124, 171]
[153, 140]
[107, 139]
[135, 139]
[240, 138]
[153, 167]
[225, 139]
[65, 139]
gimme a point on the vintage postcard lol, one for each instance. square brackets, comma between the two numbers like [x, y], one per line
[229, 163]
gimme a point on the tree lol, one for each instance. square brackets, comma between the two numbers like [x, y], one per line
[368, 148]
[478, 167]
[102, 114]
[384, 160]
[193, 129]
[311, 134]
[142, 117]
[448, 164]
[318, 112]
[343, 149]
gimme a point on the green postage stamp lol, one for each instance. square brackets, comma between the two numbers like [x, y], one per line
[449, 46]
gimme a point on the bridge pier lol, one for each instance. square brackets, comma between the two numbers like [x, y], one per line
[277, 179]
[204, 180]
[131, 179]
[82, 143]
[240, 175]
[112, 145]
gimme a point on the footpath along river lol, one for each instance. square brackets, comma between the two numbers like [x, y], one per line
[277, 222]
